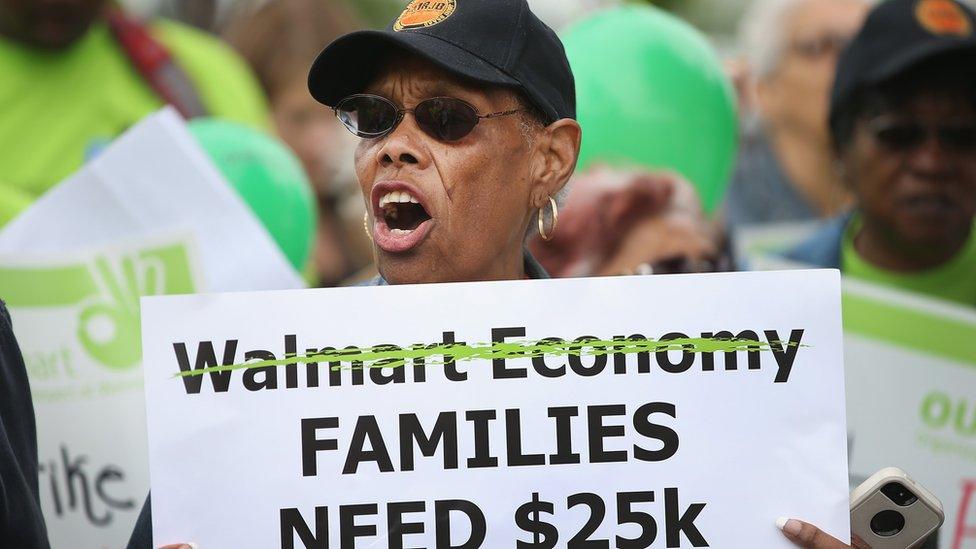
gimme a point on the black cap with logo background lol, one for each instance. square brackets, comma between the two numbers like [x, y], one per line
[495, 42]
[898, 36]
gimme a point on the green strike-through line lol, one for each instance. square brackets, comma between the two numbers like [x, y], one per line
[383, 356]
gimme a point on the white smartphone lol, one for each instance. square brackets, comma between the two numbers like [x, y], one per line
[892, 511]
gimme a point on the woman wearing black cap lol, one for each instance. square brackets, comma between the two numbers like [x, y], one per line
[466, 113]
[463, 154]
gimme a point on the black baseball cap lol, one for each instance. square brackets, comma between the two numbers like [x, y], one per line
[898, 36]
[495, 42]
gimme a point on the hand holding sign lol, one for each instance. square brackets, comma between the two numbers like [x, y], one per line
[809, 536]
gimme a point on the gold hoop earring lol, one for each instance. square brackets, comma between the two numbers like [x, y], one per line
[366, 225]
[555, 221]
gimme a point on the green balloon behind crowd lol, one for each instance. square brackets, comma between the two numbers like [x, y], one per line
[651, 91]
[269, 178]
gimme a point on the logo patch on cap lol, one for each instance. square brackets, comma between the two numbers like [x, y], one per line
[943, 17]
[421, 14]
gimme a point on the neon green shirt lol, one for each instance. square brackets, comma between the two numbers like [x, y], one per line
[58, 107]
[953, 281]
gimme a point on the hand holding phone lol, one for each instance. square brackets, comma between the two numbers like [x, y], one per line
[888, 511]
[892, 511]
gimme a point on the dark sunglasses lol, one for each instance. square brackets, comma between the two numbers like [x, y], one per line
[687, 265]
[903, 136]
[443, 118]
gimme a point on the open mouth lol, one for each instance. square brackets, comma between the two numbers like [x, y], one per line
[929, 205]
[402, 220]
[402, 212]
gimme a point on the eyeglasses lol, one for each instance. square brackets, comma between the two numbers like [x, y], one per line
[818, 47]
[903, 135]
[443, 118]
[687, 265]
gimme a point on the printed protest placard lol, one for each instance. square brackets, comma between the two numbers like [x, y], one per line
[76, 317]
[156, 179]
[685, 411]
[911, 383]
[72, 268]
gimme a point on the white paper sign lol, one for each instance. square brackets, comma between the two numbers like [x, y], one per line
[673, 448]
[156, 178]
[911, 393]
[72, 268]
[76, 318]
[911, 396]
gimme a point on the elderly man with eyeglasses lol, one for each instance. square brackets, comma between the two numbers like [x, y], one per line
[785, 171]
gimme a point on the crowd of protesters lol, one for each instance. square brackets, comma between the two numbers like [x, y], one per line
[858, 118]
[798, 160]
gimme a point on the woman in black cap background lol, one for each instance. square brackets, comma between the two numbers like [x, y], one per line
[903, 121]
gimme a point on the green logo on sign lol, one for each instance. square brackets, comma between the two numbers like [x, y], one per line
[939, 411]
[107, 290]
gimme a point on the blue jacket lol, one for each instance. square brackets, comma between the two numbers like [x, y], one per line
[823, 249]
[760, 192]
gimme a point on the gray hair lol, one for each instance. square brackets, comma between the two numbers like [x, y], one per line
[531, 120]
[762, 33]
[546, 211]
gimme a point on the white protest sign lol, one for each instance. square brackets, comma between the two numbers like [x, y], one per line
[755, 245]
[911, 382]
[156, 178]
[76, 317]
[911, 392]
[517, 438]
[72, 268]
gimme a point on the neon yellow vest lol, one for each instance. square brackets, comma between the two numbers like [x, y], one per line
[60, 107]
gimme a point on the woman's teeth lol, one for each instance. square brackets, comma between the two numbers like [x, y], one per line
[398, 197]
[402, 212]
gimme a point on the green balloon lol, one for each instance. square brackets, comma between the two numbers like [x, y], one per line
[651, 91]
[269, 178]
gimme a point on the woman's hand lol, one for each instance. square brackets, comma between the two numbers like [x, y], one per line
[809, 536]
